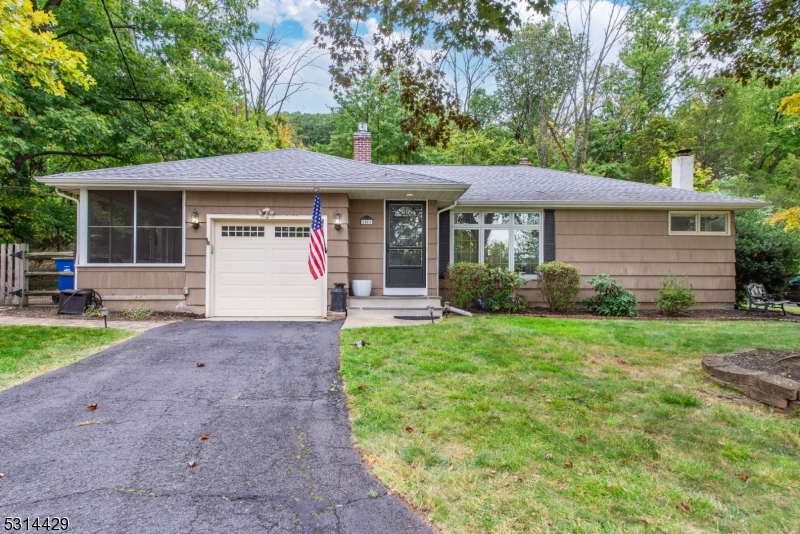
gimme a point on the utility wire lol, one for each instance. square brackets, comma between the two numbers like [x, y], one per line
[133, 80]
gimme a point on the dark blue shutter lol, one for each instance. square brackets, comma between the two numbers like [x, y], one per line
[444, 242]
[549, 236]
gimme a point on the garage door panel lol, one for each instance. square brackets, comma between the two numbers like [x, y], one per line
[264, 275]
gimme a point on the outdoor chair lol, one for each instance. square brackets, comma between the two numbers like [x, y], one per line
[758, 298]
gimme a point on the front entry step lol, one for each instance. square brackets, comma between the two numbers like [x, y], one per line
[394, 306]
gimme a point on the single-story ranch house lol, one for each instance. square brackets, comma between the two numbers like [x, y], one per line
[228, 236]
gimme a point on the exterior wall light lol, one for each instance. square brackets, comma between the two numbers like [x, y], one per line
[195, 219]
[337, 221]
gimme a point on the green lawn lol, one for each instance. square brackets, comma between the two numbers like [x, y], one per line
[480, 422]
[29, 351]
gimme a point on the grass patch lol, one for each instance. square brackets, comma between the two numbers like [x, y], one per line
[29, 351]
[511, 424]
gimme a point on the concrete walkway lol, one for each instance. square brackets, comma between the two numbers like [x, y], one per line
[140, 326]
[257, 440]
[373, 322]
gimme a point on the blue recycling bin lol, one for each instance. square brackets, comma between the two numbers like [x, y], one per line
[65, 281]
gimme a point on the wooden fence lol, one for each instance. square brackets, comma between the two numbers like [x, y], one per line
[15, 273]
[13, 265]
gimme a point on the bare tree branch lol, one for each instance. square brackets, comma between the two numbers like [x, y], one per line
[270, 71]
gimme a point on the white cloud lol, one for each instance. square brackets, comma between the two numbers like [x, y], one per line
[303, 12]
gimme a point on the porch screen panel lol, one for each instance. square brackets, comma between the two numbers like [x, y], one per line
[111, 226]
[159, 228]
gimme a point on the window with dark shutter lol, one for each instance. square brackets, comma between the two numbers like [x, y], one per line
[444, 242]
[549, 235]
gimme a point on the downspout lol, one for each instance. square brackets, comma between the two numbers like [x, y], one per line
[77, 231]
[451, 206]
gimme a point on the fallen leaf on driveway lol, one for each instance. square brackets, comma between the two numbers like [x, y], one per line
[409, 429]
[92, 406]
[683, 507]
[2, 475]
[200, 364]
[179, 333]
[192, 463]
[204, 437]
[582, 438]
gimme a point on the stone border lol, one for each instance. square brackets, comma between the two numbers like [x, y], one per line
[758, 385]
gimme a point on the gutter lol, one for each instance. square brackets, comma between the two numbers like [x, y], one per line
[739, 204]
[451, 206]
[77, 232]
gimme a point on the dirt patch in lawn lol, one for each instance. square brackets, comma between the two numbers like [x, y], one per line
[51, 312]
[772, 362]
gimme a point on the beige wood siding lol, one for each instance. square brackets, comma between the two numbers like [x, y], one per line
[366, 243]
[433, 249]
[635, 247]
[112, 281]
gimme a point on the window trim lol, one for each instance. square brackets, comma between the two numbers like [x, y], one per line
[84, 234]
[697, 215]
[511, 226]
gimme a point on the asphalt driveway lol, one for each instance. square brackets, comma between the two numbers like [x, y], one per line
[278, 457]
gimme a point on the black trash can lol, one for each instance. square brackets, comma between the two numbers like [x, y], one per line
[338, 297]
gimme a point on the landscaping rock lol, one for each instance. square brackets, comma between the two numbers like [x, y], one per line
[779, 386]
[733, 385]
[733, 373]
[767, 398]
[712, 361]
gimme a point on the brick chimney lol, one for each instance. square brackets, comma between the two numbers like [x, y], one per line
[683, 170]
[362, 144]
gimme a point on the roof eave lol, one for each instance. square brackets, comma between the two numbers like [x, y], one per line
[249, 185]
[569, 204]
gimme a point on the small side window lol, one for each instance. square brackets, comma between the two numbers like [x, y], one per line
[681, 222]
[713, 223]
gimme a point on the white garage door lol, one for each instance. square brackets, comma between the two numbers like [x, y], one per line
[261, 270]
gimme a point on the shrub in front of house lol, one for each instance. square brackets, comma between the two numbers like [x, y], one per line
[611, 298]
[473, 285]
[140, 313]
[675, 296]
[560, 283]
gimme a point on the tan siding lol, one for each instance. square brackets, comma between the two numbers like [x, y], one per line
[635, 247]
[110, 281]
[433, 251]
[366, 243]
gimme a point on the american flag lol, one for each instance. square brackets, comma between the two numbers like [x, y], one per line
[316, 246]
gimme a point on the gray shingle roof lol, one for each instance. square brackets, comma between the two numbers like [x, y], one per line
[275, 166]
[523, 183]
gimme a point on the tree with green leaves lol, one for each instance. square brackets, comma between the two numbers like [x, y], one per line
[165, 89]
[403, 30]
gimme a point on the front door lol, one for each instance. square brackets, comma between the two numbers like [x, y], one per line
[405, 244]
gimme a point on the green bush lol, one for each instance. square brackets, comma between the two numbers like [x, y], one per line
[139, 313]
[675, 296]
[560, 283]
[494, 288]
[611, 299]
[765, 254]
[93, 311]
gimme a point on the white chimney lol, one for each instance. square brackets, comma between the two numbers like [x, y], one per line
[683, 170]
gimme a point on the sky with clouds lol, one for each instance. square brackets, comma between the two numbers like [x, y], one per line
[295, 19]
